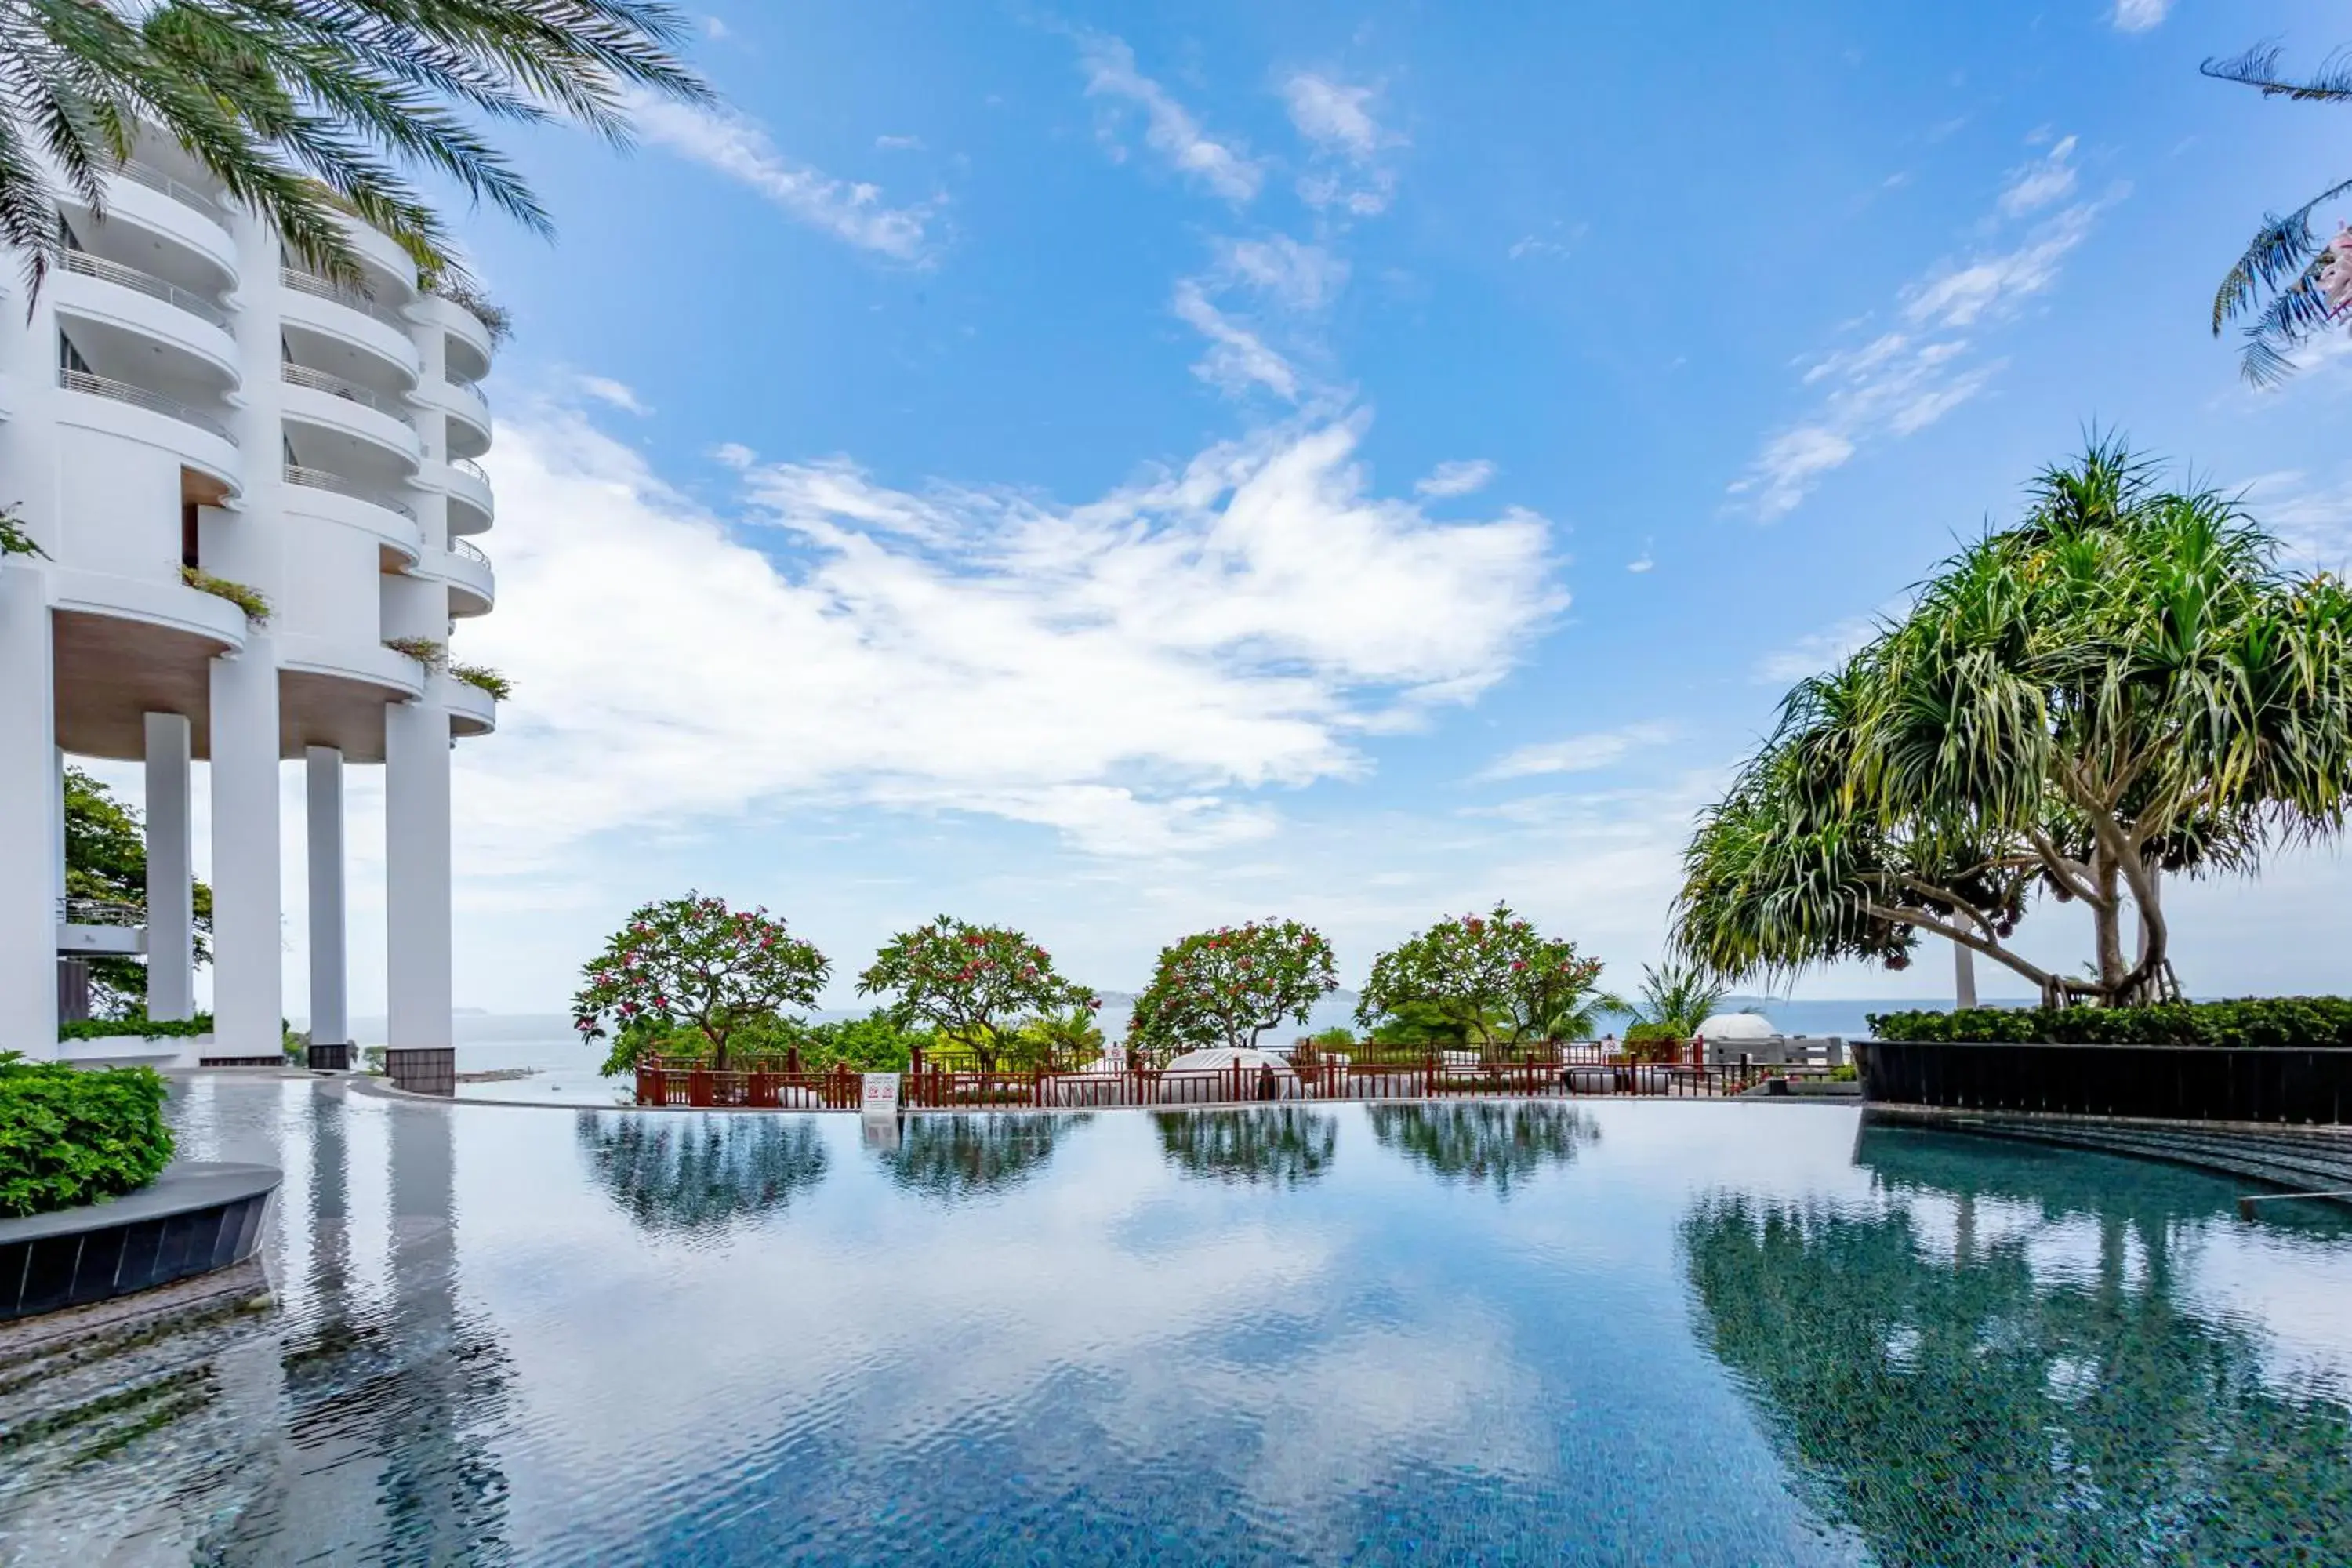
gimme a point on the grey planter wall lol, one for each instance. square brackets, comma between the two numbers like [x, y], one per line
[2178, 1083]
[196, 1217]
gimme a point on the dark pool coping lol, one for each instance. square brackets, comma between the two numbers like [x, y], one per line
[182, 1189]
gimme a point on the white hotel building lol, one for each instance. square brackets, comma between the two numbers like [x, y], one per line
[180, 398]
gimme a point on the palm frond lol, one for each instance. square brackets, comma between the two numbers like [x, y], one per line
[2258, 68]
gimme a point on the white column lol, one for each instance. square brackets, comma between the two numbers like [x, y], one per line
[416, 871]
[32, 814]
[248, 962]
[1964, 976]
[170, 872]
[329, 1006]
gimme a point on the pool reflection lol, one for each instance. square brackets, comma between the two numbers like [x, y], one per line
[1994, 1360]
[698, 1175]
[1267, 1146]
[1485, 1143]
[953, 1158]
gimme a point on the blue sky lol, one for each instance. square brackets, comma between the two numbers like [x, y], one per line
[1124, 470]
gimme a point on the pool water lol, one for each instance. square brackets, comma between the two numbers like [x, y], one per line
[1626, 1332]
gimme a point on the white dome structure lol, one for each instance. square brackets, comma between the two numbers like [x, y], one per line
[1253, 1065]
[1738, 1027]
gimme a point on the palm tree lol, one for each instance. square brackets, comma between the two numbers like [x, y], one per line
[306, 110]
[2277, 282]
[2125, 687]
[1677, 995]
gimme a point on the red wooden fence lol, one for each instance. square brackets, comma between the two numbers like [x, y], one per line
[1572, 1069]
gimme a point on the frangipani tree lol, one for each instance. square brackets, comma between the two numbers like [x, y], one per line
[977, 984]
[2126, 686]
[695, 961]
[1228, 987]
[1494, 976]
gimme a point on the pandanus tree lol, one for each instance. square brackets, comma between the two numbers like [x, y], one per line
[306, 110]
[979, 985]
[2125, 688]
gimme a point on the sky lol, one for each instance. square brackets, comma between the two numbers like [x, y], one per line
[1120, 470]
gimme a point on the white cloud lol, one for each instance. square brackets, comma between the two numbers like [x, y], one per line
[1814, 654]
[714, 27]
[1349, 168]
[618, 394]
[899, 143]
[1459, 477]
[1225, 167]
[1125, 671]
[1580, 754]
[1238, 359]
[737, 146]
[1904, 380]
[2315, 522]
[2050, 178]
[2139, 15]
[734, 454]
[1528, 245]
[1645, 562]
[1297, 277]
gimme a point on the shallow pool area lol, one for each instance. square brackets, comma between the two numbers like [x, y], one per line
[1621, 1331]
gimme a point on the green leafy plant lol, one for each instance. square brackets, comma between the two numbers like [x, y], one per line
[425, 651]
[1491, 977]
[693, 961]
[973, 985]
[302, 111]
[250, 600]
[2301, 1022]
[482, 678]
[69, 1137]
[137, 1024]
[1228, 987]
[1676, 997]
[14, 539]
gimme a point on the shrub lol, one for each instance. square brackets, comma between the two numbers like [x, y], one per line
[482, 678]
[68, 1137]
[424, 650]
[249, 600]
[2258, 1021]
[145, 1028]
[14, 539]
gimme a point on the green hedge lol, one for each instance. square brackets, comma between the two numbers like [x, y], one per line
[69, 1137]
[2260, 1021]
[146, 1028]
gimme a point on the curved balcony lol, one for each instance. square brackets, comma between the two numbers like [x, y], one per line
[469, 347]
[328, 401]
[92, 288]
[314, 492]
[121, 409]
[467, 410]
[472, 710]
[472, 507]
[170, 607]
[382, 253]
[144, 194]
[473, 586]
[324, 306]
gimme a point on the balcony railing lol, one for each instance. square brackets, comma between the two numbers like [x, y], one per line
[99, 266]
[320, 381]
[349, 299]
[467, 550]
[140, 397]
[155, 179]
[467, 466]
[73, 912]
[319, 479]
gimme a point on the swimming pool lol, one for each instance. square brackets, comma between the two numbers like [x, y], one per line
[1617, 1332]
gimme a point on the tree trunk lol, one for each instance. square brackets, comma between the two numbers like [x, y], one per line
[2107, 916]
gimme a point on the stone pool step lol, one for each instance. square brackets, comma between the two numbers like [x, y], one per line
[2300, 1160]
